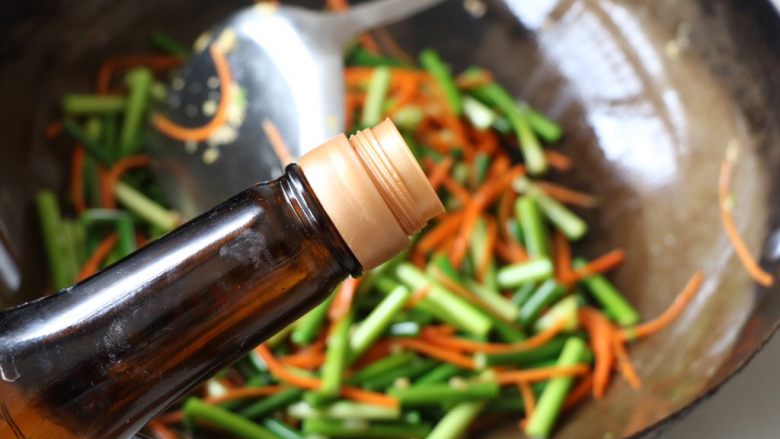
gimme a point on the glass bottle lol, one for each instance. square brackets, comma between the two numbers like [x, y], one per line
[101, 358]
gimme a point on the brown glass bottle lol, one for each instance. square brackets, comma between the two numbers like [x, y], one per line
[99, 359]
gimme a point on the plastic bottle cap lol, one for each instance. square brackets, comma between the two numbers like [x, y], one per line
[373, 190]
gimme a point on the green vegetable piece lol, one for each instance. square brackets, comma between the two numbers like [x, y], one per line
[532, 223]
[544, 296]
[272, 403]
[523, 358]
[514, 275]
[455, 423]
[305, 330]
[615, 305]
[363, 430]
[479, 114]
[378, 321]
[89, 143]
[440, 374]
[167, 44]
[551, 400]
[196, 409]
[139, 83]
[126, 233]
[336, 358]
[145, 208]
[346, 410]
[375, 97]
[60, 266]
[432, 62]
[81, 104]
[281, 429]
[436, 394]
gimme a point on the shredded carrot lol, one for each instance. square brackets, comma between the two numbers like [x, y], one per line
[77, 179]
[418, 296]
[668, 316]
[376, 352]
[540, 374]
[558, 160]
[600, 333]
[279, 371]
[566, 195]
[447, 225]
[624, 363]
[277, 142]
[511, 252]
[480, 201]
[484, 263]
[755, 271]
[505, 205]
[160, 431]
[309, 361]
[197, 134]
[439, 171]
[463, 345]
[140, 239]
[418, 259]
[601, 264]
[436, 352]
[98, 256]
[342, 303]
[111, 178]
[53, 130]
[457, 190]
[562, 257]
[529, 401]
[579, 392]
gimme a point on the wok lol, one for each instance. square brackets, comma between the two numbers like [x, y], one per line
[650, 94]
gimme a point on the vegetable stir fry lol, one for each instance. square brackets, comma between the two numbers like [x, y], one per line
[489, 315]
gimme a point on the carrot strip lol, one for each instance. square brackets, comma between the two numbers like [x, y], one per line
[558, 160]
[479, 202]
[436, 352]
[343, 301]
[566, 195]
[540, 374]
[417, 297]
[446, 227]
[438, 172]
[668, 316]
[277, 142]
[600, 332]
[456, 190]
[601, 264]
[505, 205]
[197, 134]
[511, 252]
[463, 345]
[77, 179]
[98, 256]
[755, 271]
[579, 392]
[160, 431]
[360, 395]
[624, 363]
[529, 401]
[110, 179]
[562, 256]
[304, 360]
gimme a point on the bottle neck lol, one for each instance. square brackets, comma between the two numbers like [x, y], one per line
[99, 359]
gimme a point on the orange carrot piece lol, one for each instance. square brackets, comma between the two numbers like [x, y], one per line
[668, 316]
[456, 190]
[436, 352]
[511, 252]
[558, 160]
[160, 431]
[566, 195]
[417, 296]
[464, 345]
[109, 180]
[624, 363]
[360, 395]
[197, 134]
[579, 392]
[77, 179]
[562, 256]
[529, 401]
[439, 171]
[277, 142]
[601, 264]
[343, 301]
[505, 205]
[309, 361]
[491, 190]
[755, 271]
[600, 332]
[98, 256]
[540, 374]
[448, 224]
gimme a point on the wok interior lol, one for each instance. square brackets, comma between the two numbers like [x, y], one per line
[648, 112]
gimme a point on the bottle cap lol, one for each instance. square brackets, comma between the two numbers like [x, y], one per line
[373, 190]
